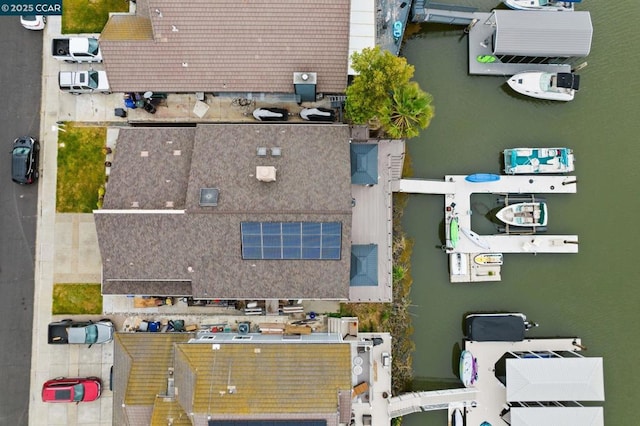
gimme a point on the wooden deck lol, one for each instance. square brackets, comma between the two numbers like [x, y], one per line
[372, 220]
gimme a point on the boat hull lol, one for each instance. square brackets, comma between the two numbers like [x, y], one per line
[507, 327]
[526, 215]
[552, 6]
[538, 84]
[538, 160]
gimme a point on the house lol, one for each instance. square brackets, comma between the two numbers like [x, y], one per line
[261, 211]
[229, 46]
[237, 379]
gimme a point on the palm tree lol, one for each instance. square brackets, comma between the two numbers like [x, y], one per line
[408, 111]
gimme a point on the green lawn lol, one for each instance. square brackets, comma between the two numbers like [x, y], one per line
[89, 16]
[76, 299]
[81, 170]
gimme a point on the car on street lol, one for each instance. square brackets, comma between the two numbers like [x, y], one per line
[24, 160]
[64, 389]
[33, 22]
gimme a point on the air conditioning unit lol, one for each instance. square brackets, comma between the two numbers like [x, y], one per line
[243, 327]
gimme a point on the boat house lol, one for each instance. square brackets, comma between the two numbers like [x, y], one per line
[505, 42]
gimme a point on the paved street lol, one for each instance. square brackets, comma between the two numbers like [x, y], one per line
[20, 77]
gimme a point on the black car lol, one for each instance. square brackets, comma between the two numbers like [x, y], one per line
[24, 160]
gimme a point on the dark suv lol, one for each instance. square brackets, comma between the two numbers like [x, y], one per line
[24, 160]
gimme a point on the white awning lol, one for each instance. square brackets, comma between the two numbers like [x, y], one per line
[542, 34]
[565, 416]
[555, 379]
[362, 27]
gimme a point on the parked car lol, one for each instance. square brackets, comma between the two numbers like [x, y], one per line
[76, 49]
[33, 22]
[24, 160]
[68, 332]
[63, 389]
[78, 82]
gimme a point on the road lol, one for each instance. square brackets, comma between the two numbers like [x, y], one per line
[20, 91]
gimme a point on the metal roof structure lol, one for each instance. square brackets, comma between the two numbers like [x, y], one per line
[541, 34]
[566, 416]
[555, 379]
[364, 265]
[364, 164]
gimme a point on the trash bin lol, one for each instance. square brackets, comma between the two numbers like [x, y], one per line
[120, 112]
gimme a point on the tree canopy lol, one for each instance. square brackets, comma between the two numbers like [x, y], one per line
[382, 92]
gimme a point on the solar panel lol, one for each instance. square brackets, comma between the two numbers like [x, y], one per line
[291, 240]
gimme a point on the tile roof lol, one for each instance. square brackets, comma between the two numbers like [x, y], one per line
[228, 46]
[265, 379]
[182, 242]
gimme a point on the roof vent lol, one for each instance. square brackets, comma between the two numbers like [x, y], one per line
[209, 197]
[276, 151]
[169, 204]
[177, 152]
[144, 153]
[261, 151]
[266, 173]
[135, 204]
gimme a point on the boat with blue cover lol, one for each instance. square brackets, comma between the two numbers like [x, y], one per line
[538, 160]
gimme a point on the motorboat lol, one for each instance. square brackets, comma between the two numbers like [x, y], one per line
[497, 327]
[538, 160]
[482, 177]
[488, 259]
[475, 238]
[271, 114]
[318, 114]
[560, 86]
[527, 214]
[468, 369]
[542, 5]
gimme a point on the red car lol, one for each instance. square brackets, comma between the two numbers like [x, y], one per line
[63, 389]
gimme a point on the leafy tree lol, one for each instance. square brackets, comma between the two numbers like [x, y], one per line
[382, 93]
[408, 111]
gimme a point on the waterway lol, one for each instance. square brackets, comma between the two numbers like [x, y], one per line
[593, 294]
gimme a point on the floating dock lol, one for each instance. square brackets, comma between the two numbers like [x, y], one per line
[457, 206]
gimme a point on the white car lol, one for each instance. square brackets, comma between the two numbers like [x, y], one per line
[33, 22]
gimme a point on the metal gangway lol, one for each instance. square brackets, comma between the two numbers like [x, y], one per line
[415, 402]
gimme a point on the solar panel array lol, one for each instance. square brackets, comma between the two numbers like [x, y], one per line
[291, 240]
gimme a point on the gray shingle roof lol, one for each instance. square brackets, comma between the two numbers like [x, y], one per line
[155, 242]
[228, 46]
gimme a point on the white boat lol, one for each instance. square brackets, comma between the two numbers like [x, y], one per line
[524, 214]
[541, 5]
[488, 259]
[475, 238]
[468, 369]
[459, 263]
[457, 419]
[538, 160]
[560, 86]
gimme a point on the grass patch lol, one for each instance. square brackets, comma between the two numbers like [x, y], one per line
[82, 16]
[76, 299]
[81, 171]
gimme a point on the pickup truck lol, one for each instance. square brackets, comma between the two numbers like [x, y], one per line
[76, 49]
[80, 332]
[77, 82]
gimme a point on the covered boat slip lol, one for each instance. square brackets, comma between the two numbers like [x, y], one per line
[528, 41]
[491, 401]
[555, 379]
[566, 416]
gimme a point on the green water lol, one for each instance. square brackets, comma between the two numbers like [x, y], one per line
[593, 294]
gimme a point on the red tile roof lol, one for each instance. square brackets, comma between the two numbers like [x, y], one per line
[228, 46]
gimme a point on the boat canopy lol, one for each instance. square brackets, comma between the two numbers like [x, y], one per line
[495, 328]
[542, 34]
[566, 416]
[555, 379]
